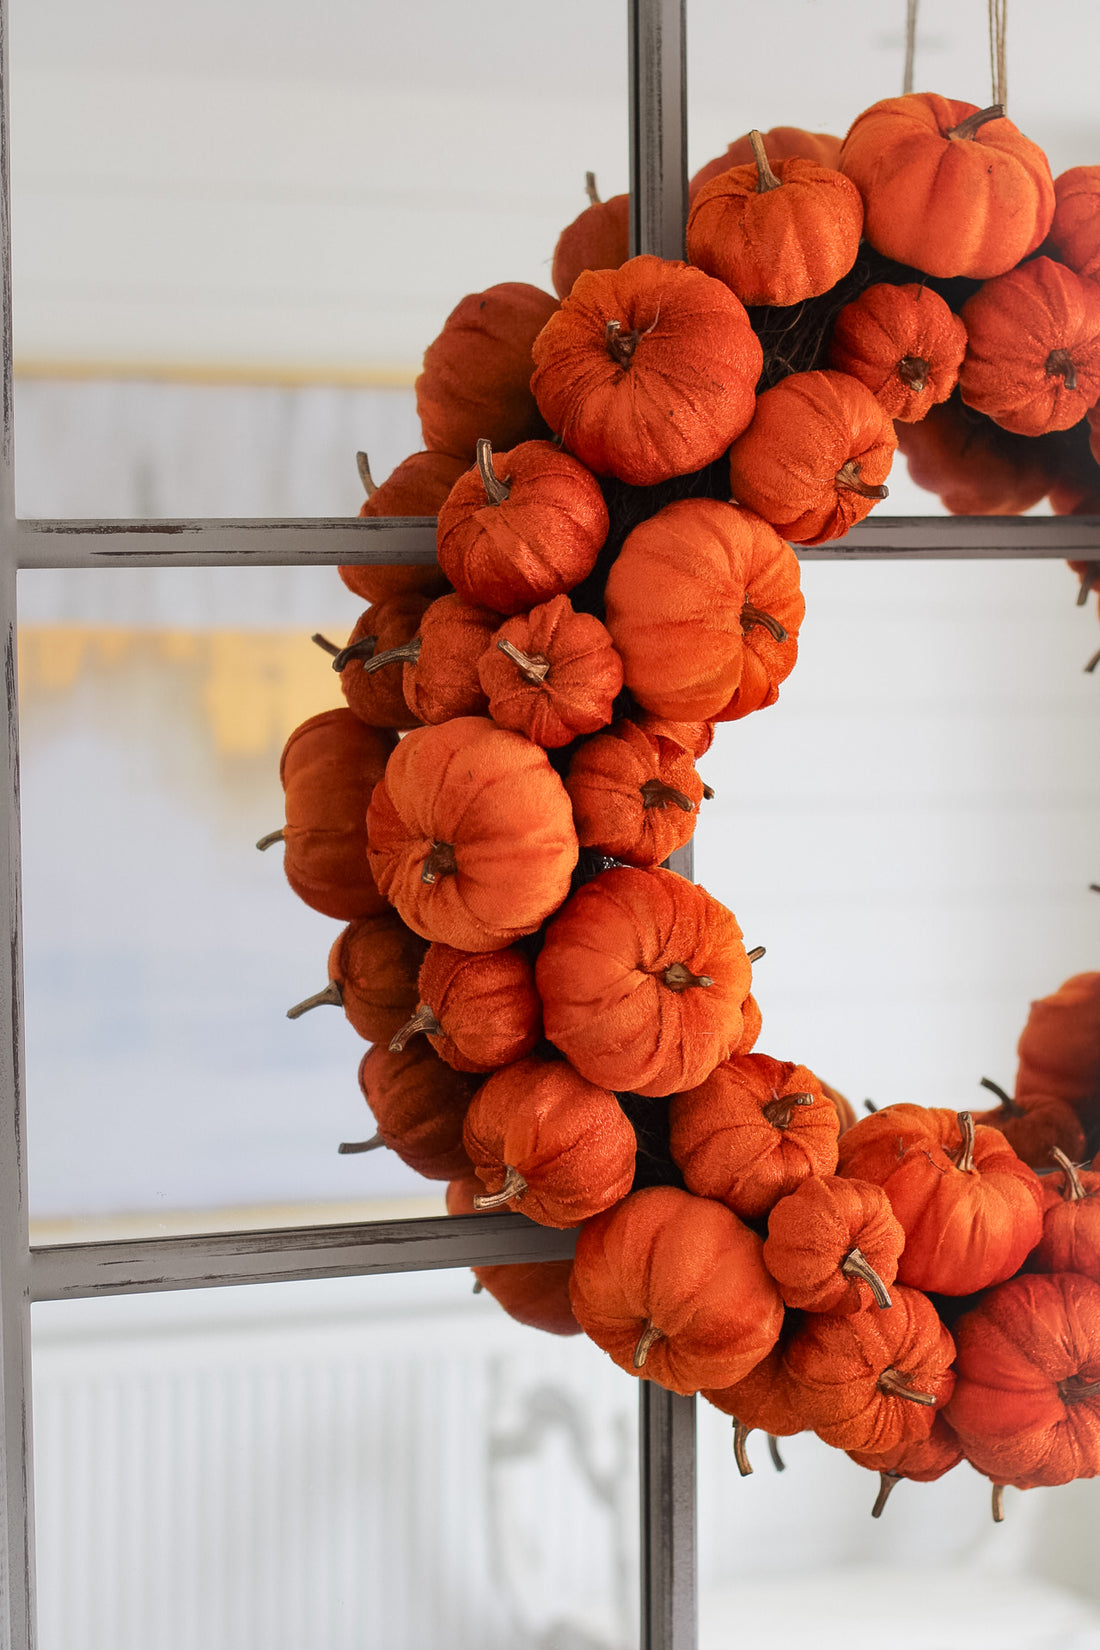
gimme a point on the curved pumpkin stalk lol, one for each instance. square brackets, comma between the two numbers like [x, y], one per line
[332, 994]
[514, 1187]
[646, 1340]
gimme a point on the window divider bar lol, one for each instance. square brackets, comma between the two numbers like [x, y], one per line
[657, 32]
[667, 1483]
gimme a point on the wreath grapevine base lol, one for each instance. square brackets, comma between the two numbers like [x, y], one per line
[561, 1026]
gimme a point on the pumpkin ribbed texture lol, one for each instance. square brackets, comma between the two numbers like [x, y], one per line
[903, 344]
[1075, 230]
[484, 1003]
[1034, 1125]
[419, 1105]
[442, 681]
[812, 1233]
[635, 795]
[1071, 1224]
[375, 962]
[556, 677]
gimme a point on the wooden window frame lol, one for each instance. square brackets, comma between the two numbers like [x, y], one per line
[658, 171]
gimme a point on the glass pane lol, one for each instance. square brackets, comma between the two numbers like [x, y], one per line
[327, 1466]
[168, 1091]
[285, 194]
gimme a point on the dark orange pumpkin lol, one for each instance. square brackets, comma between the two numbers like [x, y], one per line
[833, 1245]
[1059, 1047]
[648, 371]
[329, 767]
[535, 1292]
[1033, 1127]
[477, 374]
[765, 1399]
[922, 1461]
[438, 665]
[551, 674]
[375, 695]
[1026, 1405]
[548, 1143]
[598, 239]
[776, 235]
[372, 970]
[815, 456]
[417, 487]
[471, 834]
[1033, 348]
[781, 142]
[673, 1288]
[903, 343]
[873, 1381]
[752, 1132]
[522, 527]
[479, 1009]
[948, 188]
[704, 605]
[642, 977]
[419, 1105]
[975, 468]
[1071, 1221]
[635, 795]
[1075, 230]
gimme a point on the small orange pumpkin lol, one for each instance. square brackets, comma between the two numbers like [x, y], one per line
[815, 457]
[903, 343]
[1035, 1125]
[833, 1245]
[635, 795]
[479, 1009]
[1075, 230]
[439, 677]
[417, 487]
[765, 1399]
[375, 696]
[536, 1292]
[975, 468]
[1071, 1221]
[548, 1143]
[551, 674]
[598, 239]
[419, 1106]
[673, 1288]
[372, 970]
[648, 371]
[781, 142]
[1059, 1047]
[923, 1461]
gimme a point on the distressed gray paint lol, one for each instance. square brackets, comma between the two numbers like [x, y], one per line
[668, 1557]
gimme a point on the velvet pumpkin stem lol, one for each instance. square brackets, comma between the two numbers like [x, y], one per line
[870, 1107]
[347, 1147]
[1093, 662]
[998, 1503]
[362, 464]
[423, 1020]
[1089, 578]
[752, 616]
[913, 371]
[756, 953]
[848, 476]
[856, 1265]
[514, 1186]
[362, 649]
[1059, 364]
[765, 177]
[323, 643]
[893, 1382]
[440, 862]
[478, 1286]
[1075, 1390]
[270, 840]
[965, 1159]
[708, 793]
[496, 489]
[656, 794]
[740, 1453]
[649, 1335]
[973, 123]
[407, 654]
[886, 1482]
[1075, 1186]
[1006, 1100]
[773, 1450]
[678, 977]
[591, 190]
[779, 1111]
[620, 345]
[331, 994]
[531, 665]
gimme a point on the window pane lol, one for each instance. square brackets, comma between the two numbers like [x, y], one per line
[291, 194]
[384, 1461]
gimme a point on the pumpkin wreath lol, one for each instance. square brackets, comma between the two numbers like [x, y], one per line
[617, 471]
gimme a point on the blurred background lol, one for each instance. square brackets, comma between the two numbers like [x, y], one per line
[236, 227]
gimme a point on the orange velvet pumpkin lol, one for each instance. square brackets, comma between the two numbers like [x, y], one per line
[873, 1381]
[477, 374]
[417, 487]
[479, 1009]
[753, 1131]
[419, 1106]
[704, 605]
[635, 795]
[872, 1147]
[598, 239]
[673, 1288]
[1033, 348]
[375, 695]
[814, 458]
[1026, 1405]
[948, 188]
[923, 1461]
[1034, 1126]
[548, 1143]
[438, 665]
[1059, 1047]
[781, 142]
[372, 970]
[1071, 1221]
[765, 1399]
[1075, 230]
[471, 834]
[648, 371]
[975, 468]
[551, 674]
[522, 527]
[833, 1245]
[329, 767]
[642, 977]
[776, 235]
[535, 1293]
[903, 344]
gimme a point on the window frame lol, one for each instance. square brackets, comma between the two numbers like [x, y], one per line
[658, 170]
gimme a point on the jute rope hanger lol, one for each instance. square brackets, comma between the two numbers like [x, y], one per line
[998, 27]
